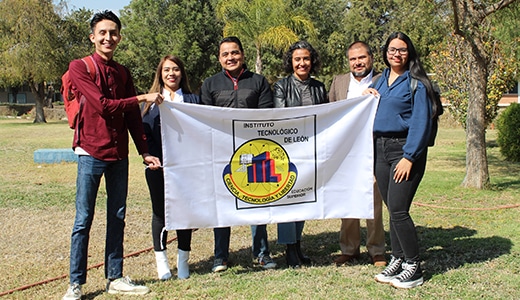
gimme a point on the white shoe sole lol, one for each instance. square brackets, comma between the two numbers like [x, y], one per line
[384, 279]
[407, 284]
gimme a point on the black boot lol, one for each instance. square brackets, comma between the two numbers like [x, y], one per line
[303, 259]
[291, 255]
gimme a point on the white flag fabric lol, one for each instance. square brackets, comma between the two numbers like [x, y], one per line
[227, 166]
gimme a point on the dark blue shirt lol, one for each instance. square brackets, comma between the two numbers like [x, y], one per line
[398, 115]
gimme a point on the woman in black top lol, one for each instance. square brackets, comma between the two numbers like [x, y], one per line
[171, 81]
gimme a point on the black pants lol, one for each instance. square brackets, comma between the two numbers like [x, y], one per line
[155, 181]
[398, 196]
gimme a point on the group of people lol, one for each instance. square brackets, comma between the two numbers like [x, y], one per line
[112, 109]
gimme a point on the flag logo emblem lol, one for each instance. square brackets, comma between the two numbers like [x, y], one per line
[260, 172]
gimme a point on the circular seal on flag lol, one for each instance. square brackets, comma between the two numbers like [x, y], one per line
[260, 172]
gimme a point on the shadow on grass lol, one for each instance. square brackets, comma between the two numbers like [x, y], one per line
[442, 249]
[93, 295]
[319, 248]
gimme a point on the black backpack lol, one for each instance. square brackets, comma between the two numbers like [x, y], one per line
[439, 110]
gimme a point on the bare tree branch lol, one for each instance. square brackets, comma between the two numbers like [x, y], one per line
[497, 6]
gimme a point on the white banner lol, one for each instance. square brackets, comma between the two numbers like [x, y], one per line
[225, 166]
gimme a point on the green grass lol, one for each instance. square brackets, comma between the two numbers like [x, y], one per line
[469, 242]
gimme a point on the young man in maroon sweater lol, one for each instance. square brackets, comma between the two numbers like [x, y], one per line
[110, 109]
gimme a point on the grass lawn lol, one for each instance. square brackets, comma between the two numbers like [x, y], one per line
[470, 239]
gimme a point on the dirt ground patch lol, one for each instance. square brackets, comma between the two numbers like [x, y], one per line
[35, 247]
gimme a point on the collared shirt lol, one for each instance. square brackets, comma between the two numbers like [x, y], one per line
[109, 112]
[356, 88]
[177, 95]
[397, 115]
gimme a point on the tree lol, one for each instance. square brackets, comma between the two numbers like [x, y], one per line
[452, 63]
[470, 20]
[367, 21]
[263, 23]
[74, 34]
[332, 52]
[373, 21]
[153, 29]
[29, 44]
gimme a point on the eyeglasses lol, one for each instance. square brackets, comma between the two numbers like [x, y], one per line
[401, 51]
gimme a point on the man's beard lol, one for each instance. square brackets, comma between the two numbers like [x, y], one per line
[361, 74]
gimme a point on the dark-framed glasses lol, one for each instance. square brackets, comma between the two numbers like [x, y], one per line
[401, 51]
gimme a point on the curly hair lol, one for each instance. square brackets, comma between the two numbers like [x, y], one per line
[315, 58]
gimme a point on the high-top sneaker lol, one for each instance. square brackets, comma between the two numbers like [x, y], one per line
[410, 277]
[391, 271]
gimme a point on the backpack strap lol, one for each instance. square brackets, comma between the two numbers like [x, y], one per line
[91, 65]
[413, 87]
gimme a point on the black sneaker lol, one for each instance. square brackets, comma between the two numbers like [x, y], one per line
[391, 271]
[410, 277]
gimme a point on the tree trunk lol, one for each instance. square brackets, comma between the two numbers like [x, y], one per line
[39, 91]
[258, 63]
[477, 174]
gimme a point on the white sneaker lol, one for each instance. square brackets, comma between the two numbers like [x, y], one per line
[124, 285]
[73, 292]
[266, 262]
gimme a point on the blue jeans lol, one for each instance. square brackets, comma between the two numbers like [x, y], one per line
[398, 196]
[290, 233]
[90, 171]
[260, 242]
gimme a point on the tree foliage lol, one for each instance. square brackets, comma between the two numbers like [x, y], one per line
[153, 29]
[74, 34]
[324, 14]
[509, 132]
[373, 21]
[30, 47]
[452, 61]
[264, 24]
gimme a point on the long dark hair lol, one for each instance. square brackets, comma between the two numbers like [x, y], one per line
[414, 65]
[158, 82]
[315, 58]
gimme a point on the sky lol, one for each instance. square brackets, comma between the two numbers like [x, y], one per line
[97, 5]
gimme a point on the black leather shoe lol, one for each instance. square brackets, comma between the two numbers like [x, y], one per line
[303, 259]
[291, 255]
